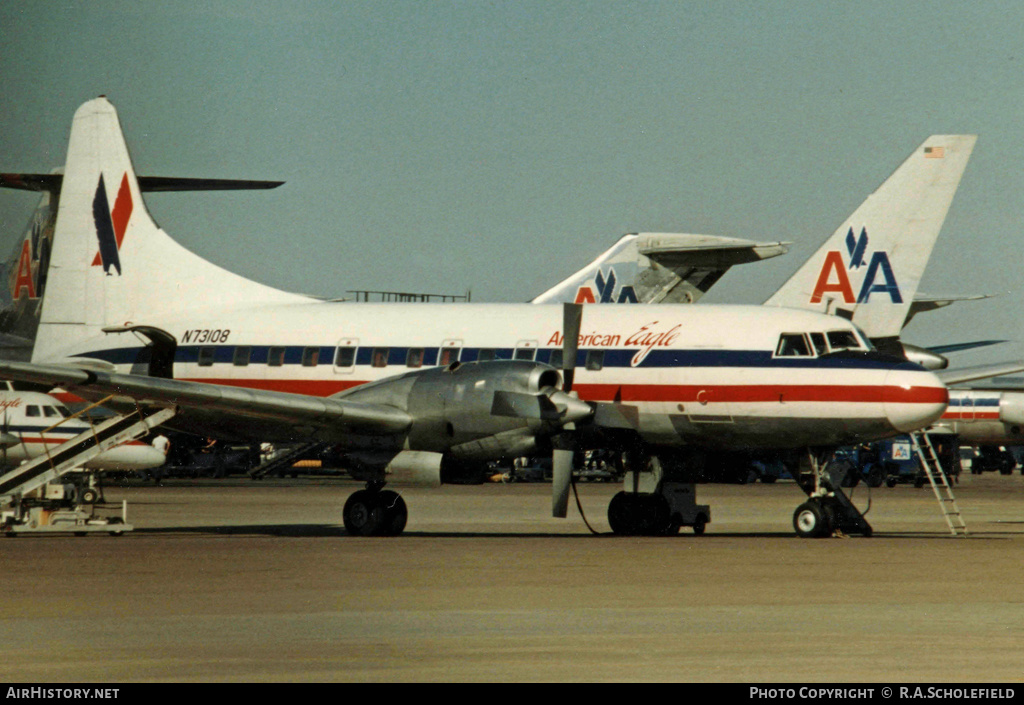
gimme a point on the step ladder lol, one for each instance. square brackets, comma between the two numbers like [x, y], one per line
[932, 469]
[284, 459]
[80, 449]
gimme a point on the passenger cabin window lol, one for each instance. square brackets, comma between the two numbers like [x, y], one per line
[414, 358]
[448, 356]
[275, 357]
[525, 353]
[345, 357]
[818, 341]
[31, 410]
[595, 360]
[793, 345]
[242, 355]
[310, 357]
[843, 340]
[206, 355]
[486, 355]
[556, 358]
[380, 357]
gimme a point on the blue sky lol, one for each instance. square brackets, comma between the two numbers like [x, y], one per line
[498, 146]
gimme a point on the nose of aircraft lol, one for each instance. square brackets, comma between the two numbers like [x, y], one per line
[914, 399]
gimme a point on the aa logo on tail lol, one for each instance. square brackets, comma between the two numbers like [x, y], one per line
[605, 291]
[33, 261]
[111, 224]
[834, 277]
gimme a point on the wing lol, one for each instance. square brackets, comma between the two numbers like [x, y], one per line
[239, 412]
[969, 374]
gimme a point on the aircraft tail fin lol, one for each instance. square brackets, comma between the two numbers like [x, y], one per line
[110, 262]
[870, 268]
[651, 268]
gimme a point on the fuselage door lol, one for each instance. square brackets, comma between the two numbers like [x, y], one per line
[526, 350]
[345, 355]
[451, 351]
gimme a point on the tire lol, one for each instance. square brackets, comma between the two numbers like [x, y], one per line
[89, 496]
[810, 521]
[620, 515]
[395, 513]
[700, 524]
[876, 476]
[657, 515]
[363, 514]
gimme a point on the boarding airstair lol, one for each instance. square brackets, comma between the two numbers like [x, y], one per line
[279, 462]
[932, 469]
[17, 483]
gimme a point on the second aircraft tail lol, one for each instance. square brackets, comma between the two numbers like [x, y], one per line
[870, 268]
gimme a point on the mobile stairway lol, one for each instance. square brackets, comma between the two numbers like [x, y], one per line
[939, 481]
[30, 501]
[279, 462]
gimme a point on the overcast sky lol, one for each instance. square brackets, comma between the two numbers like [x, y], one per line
[498, 146]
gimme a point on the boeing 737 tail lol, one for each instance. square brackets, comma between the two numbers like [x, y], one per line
[869, 270]
[111, 266]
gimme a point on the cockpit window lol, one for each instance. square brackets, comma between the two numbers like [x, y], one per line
[50, 412]
[843, 340]
[818, 341]
[793, 345]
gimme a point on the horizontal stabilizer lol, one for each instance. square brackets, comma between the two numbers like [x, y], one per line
[52, 182]
[923, 303]
[651, 268]
[969, 374]
[957, 347]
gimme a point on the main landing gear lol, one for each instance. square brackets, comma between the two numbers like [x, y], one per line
[652, 506]
[375, 512]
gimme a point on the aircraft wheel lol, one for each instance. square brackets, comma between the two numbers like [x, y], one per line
[395, 513]
[363, 514]
[620, 515]
[700, 524]
[810, 521]
[89, 496]
[657, 516]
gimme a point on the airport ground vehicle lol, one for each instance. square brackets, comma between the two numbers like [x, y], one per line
[994, 459]
[892, 461]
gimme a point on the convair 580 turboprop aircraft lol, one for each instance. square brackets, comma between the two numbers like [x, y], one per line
[416, 390]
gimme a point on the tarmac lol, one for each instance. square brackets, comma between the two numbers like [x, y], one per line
[240, 581]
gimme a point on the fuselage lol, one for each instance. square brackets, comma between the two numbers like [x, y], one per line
[985, 417]
[33, 423]
[735, 376]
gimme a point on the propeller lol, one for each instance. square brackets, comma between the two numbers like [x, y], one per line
[564, 446]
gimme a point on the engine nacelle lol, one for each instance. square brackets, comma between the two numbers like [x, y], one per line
[451, 407]
[1011, 407]
[415, 467]
[924, 357]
